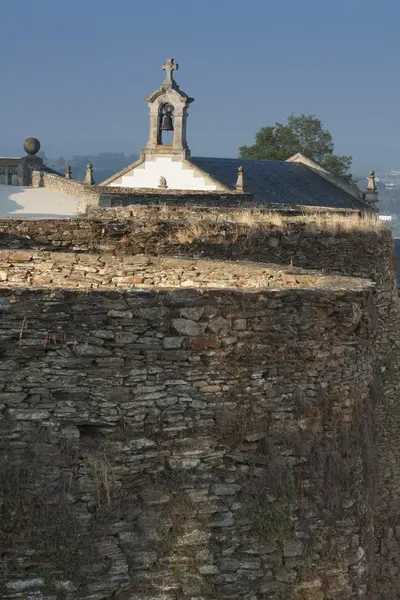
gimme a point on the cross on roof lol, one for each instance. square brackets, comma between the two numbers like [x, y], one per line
[169, 69]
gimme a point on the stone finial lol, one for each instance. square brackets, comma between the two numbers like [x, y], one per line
[371, 194]
[31, 146]
[89, 179]
[240, 181]
[68, 171]
[163, 183]
[169, 69]
[371, 186]
[31, 161]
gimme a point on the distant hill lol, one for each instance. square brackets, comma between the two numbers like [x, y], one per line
[105, 164]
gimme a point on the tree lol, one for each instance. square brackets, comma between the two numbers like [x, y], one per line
[303, 134]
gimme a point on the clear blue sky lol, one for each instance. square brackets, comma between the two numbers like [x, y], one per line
[75, 74]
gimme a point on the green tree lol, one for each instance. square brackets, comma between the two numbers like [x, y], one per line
[303, 134]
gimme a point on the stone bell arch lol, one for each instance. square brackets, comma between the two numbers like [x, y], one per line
[168, 102]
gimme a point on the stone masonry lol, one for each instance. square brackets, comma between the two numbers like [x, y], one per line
[93, 197]
[196, 412]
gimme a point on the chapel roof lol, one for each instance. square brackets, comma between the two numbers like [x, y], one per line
[279, 182]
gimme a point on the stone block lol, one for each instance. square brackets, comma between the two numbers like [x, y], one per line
[208, 570]
[286, 576]
[29, 414]
[273, 242]
[210, 389]
[120, 314]
[23, 585]
[173, 342]
[154, 496]
[219, 325]
[12, 398]
[20, 256]
[193, 313]
[125, 337]
[127, 280]
[203, 342]
[226, 489]
[292, 548]
[229, 565]
[152, 313]
[188, 327]
[222, 520]
[141, 444]
[91, 351]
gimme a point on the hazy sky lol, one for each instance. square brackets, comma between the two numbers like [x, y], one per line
[75, 74]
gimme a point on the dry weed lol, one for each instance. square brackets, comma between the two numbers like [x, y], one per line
[340, 222]
[332, 222]
[98, 470]
[257, 216]
[192, 231]
[194, 220]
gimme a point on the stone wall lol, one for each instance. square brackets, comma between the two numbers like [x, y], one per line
[101, 201]
[185, 443]
[365, 253]
[270, 456]
[176, 207]
[355, 252]
[33, 268]
[92, 197]
[82, 192]
[111, 197]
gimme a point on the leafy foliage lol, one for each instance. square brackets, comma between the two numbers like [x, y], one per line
[303, 134]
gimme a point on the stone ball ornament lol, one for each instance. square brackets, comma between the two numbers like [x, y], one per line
[31, 146]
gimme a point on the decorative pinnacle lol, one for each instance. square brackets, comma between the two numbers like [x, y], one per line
[68, 171]
[89, 175]
[240, 180]
[163, 183]
[371, 186]
[169, 69]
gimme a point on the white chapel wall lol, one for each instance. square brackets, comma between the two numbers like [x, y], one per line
[177, 174]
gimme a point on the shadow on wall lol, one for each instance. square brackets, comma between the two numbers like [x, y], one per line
[8, 206]
[27, 203]
[396, 247]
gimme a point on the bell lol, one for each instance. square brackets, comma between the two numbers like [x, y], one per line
[167, 124]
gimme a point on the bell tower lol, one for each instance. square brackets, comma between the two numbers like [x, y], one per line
[168, 117]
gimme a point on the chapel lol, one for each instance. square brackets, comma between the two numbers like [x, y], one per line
[167, 171]
[166, 163]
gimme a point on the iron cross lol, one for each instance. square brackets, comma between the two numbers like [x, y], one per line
[169, 69]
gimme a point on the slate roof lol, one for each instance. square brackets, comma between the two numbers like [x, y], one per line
[52, 171]
[279, 182]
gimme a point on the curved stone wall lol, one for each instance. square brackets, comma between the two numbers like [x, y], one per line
[175, 424]
[185, 443]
